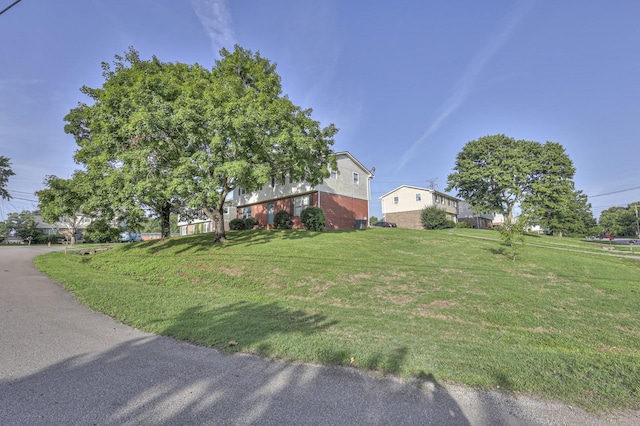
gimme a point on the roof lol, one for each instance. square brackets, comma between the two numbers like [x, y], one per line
[352, 158]
[419, 188]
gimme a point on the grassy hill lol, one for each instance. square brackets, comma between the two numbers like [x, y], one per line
[561, 322]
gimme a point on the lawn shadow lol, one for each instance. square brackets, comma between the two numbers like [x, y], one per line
[243, 325]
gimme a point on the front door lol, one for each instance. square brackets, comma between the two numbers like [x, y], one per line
[270, 210]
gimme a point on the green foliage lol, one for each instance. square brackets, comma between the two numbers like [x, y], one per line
[373, 220]
[313, 218]
[23, 225]
[561, 325]
[250, 222]
[167, 136]
[497, 173]
[620, 221]
[463, 225]
[5, 173]
[512, 234]
[237, 224]
[433, 218]
[64, 200]
[282, 220]
[100, 231]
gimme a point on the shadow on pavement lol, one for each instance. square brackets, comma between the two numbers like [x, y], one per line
[156, 380]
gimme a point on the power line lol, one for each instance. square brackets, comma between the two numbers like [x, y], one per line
[10, 6]
[613, 192]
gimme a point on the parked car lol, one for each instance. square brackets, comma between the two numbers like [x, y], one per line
[62, 240]
[385, 224]
[129, 237]
[609, 237]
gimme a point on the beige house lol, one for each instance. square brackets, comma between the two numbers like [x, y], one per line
[403, 205]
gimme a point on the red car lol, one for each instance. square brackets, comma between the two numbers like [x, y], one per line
[608, 236]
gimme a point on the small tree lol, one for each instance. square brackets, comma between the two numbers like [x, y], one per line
[313, 219]
[433, 218]
[373, 220]
[282, 220]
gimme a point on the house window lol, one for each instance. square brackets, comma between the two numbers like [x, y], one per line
[356, 178]
[273, 181]
[246, 212]
[418, 197]
[395, 200]
[300, 203]
[241, 191]
[183, 230]
[334, 174]
[207, 227]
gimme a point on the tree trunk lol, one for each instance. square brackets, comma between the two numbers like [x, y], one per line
[165, 223]
[217, 217]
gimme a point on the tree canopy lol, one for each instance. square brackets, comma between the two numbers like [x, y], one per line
[497, 173]
[5, 174]
[170, 137]
[621, 221]
[63, 200]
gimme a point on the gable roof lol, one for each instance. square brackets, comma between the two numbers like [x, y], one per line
[419, 188]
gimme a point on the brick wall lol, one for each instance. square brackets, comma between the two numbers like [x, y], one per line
[410, 219]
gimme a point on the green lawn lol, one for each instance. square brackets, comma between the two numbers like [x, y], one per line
[561, 322]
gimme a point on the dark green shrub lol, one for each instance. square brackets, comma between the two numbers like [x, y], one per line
[282, 220]
[313, 219]
[100, 231]
[236, 224]
[250, 222]
[463, 225]
[449, 224]
[433, 218]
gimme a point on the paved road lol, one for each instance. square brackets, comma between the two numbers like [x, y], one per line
[63, 364]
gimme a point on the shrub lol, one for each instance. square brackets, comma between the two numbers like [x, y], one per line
[313, 219]
[282, 220]
[250, 222]
[236, 224]
[100, 232]
[433, 218]
[463, 225]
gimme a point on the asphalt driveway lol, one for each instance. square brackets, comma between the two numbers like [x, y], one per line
[61, 363]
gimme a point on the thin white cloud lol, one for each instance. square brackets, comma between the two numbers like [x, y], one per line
[465, 84]
[216, 20]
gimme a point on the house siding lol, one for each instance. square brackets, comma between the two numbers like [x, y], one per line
[343, 199]
[404, 204]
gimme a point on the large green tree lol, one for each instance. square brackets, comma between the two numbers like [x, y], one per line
[132, 138]
[169, 137]
[244, 132]
[498, 174]
[5, 174]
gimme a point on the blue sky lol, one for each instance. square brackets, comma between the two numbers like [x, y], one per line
[408, 83]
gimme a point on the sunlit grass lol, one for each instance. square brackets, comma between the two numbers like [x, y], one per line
[559, 324]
